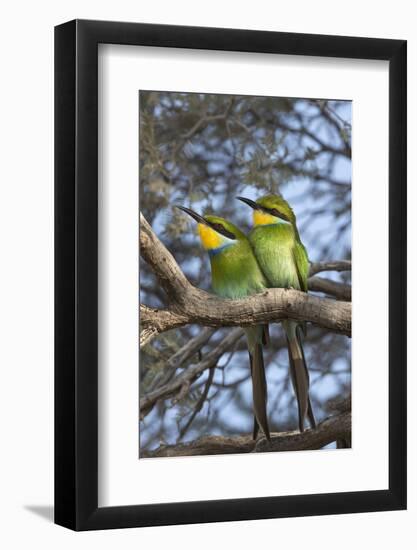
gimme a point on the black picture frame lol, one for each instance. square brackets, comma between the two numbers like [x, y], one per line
[76, 271]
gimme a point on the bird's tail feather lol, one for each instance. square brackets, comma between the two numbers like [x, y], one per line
[265, 335]
[259, 388]
[310, 413]
[299, 375]
[255, 428]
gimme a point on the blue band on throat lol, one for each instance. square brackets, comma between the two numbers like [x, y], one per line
[214, 251]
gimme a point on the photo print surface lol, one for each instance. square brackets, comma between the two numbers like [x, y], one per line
[240, 195]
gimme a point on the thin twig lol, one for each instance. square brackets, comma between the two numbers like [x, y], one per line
[184, 380]
[340, 265]
[199, 403]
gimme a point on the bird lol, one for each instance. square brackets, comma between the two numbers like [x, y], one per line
[235, 273]
[283, 259]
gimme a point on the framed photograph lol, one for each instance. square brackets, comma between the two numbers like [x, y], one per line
[226, 202]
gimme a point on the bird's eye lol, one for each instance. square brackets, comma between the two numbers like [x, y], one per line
[277, 214]
[223, 231]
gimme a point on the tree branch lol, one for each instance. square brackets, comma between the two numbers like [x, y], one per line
[181, 356]
[199, 405]
[346, 151]
[331, 429]
[340, 265]
[168, 272]
[339, 290]
[188, 304]
[179, 386]
[154, 321]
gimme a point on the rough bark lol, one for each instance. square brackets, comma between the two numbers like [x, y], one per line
[334, 428]
[188, 304]
[333, 288]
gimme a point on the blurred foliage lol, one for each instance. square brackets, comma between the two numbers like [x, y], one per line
[201, 151]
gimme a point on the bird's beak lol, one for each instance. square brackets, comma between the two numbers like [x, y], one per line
[250, 203]
[194, 215]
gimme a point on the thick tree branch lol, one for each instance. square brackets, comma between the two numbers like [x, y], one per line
[168, 272]
[189, 304]
[332, 429]
[154, 321]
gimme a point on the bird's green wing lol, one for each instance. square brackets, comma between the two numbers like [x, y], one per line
[301, 264]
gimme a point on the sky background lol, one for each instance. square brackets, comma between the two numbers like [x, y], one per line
[295, 147]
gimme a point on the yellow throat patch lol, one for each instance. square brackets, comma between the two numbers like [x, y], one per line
[209, 238]
[263, 218]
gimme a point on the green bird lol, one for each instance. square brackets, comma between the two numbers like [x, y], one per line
[284, 261]
[235, 273]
